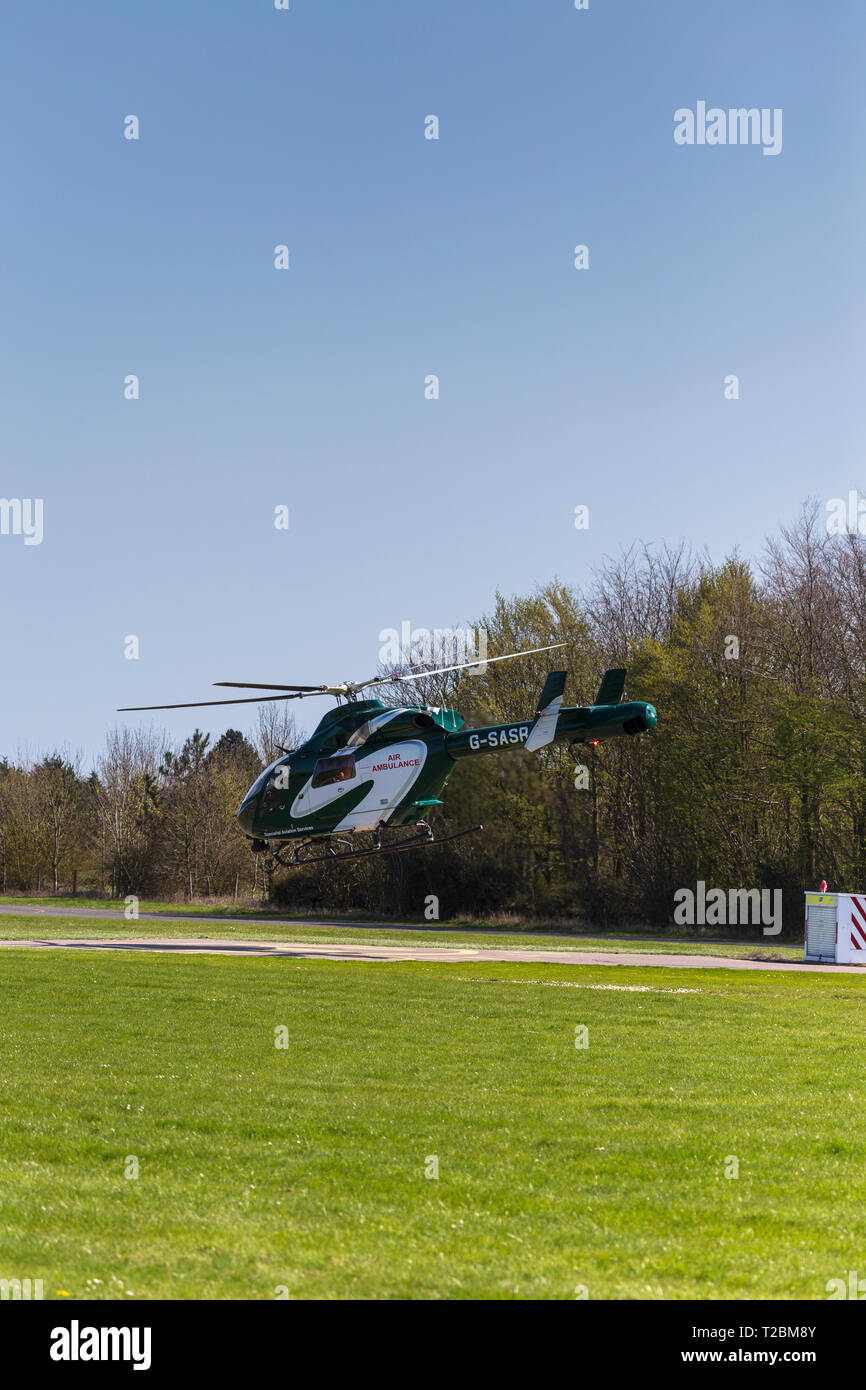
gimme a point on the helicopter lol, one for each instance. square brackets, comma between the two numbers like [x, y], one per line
[372, 768]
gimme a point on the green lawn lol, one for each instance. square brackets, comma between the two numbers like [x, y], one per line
[221, 908]
[305, 1167]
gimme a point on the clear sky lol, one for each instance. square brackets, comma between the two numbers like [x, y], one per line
[408, 257]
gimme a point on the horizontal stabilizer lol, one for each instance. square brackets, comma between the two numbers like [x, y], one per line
[543, 729]
[611, 688]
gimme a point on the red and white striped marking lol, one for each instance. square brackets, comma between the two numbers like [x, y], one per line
[858, 923]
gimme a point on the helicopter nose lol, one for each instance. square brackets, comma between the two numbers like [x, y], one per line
[246, 815]
[649, 714]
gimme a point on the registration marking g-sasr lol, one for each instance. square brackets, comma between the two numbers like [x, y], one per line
[499, 738]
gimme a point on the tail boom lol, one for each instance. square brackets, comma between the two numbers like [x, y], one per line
[574, 724]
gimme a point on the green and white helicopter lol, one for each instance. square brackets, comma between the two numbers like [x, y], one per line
[370, 767]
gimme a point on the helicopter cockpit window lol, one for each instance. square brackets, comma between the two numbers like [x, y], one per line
[338, 769]
[275, 792]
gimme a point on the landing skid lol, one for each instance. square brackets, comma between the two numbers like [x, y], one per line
[299, 859]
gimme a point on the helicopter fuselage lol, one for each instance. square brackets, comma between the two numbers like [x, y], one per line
[368, 765]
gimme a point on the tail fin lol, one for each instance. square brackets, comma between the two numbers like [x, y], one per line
[611, 688]
[544, 725]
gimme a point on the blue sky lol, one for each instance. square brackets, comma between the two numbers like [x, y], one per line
[409, 257]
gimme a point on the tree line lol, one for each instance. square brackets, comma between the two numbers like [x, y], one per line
[754, 778]
[149, 818]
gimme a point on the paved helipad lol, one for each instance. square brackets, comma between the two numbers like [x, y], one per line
[199, 945]
[443, 954]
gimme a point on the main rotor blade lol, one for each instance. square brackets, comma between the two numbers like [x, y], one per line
[199, 704]
[300, 692]
[461, 665]
[254, 685]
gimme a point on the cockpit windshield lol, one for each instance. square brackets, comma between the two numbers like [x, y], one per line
[262, 778]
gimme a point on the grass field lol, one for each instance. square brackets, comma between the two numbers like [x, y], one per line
[220, 908]
[304, 1168]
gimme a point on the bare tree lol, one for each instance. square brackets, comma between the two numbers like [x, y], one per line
[275, 729]
[127, 797]
[59, 807]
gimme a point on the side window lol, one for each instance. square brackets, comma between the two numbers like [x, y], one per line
[338, 769]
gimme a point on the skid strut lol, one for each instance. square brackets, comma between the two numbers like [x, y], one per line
[425, 841]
